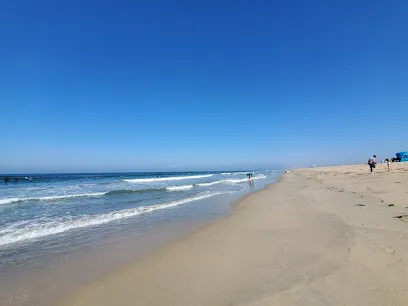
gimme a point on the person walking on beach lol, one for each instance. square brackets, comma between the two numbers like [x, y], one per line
[372, 163]
[387, 160]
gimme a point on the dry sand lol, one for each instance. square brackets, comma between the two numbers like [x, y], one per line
[323, 236]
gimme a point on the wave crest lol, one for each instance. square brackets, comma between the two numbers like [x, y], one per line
[176, 188]
[19, 233]
[163, 179]
[50, 198]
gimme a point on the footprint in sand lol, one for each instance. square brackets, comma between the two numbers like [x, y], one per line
[402, 217]
[389, 250]
[360, 205]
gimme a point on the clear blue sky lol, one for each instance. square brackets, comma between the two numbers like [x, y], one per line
[173, 85]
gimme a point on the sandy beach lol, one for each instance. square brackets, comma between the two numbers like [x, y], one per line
[321, 236]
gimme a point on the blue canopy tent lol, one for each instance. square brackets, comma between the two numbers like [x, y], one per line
[402, 156]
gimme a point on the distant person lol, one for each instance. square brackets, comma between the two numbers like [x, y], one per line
[6, 180]
[372, 163]
[387, 160]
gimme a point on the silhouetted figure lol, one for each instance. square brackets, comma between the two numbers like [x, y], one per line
[372, 163]
[6, 180]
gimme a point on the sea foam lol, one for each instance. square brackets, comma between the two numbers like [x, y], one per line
[230, 181]
[163, 179]
[18, 233]
[50, 198]
[178, 188]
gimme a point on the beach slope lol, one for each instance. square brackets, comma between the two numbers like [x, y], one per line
[323, 236]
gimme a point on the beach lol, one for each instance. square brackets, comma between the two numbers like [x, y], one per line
[54, 225]
[320, 236]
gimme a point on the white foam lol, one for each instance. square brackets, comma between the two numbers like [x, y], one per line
[230, 181]
[226, 173]
[235, 181]
[210, 183]
[16, 234]
[50, 198]
[8, 201]
[176, 188]
[163, 179]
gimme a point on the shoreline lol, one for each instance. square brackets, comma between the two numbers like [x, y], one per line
[43, 285]
[312, 238]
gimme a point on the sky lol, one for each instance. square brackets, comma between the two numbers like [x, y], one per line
[94, 86]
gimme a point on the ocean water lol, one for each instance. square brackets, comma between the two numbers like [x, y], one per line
[55, 213]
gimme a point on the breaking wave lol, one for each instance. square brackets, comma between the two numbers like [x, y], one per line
[175, 188]
[19, 232]
[51, 198]
[163, 179]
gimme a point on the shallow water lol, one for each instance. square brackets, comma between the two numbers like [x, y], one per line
[47, 220]
[43, 214]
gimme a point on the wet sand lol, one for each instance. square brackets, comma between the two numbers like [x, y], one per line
[323, 236]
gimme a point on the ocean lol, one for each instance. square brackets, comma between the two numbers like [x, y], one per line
[61, 231]
[51, 214]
